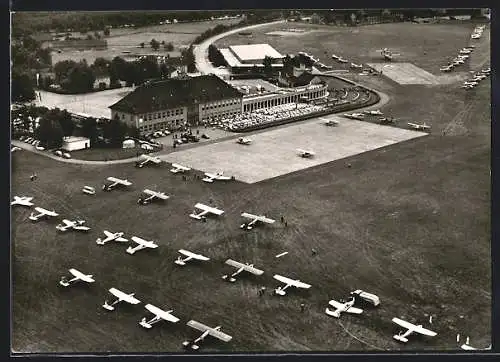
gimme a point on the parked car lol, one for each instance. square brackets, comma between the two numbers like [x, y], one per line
[205, 136]
[58, 153]
[66, 155]
[40, 148]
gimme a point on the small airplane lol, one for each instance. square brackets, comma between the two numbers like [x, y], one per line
[335, 56]
[411, 328]
[241, 267]
[289, 283]
[386, 120]
[22, 201]
[111, 237]
[146, 159]
[78, 276]
[207, 331]
[42, 213]
[15, 148]
[356, 66]
[115, 182]
[305, 153]
[176, 168]
[388, 54]
[419, 126]
[121, 297]
[219, 176]
[342, 60]
[447, 68]
[159, 315]
[189, 255]
[358, 116]
[331, 122]
[88, 190]
[255, 219]
[205, 210]
[466, 346]
[74, 225]
[244, 141]
[141, 244]
[342, 307]
[376, 112]
[152, 196]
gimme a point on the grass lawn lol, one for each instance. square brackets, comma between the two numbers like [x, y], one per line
[409, 222]
[107, 154]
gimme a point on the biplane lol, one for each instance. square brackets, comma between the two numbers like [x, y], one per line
[254, 219]
[22, 201]
[188, 256]
[305, 153]
[219, 176]
[205, 210]
[111, 237]
[74, 225]
[151, 195]
[42, 213]
[141, 244]
[244, 141]
[207, 331]
[241, 267]
[148, 159]
[114, 183]
[176, 168]
[77, 276]
[419, 127]
[411, 328]
[120, 297]
[288, 283]
[160, 314]
[342, 307]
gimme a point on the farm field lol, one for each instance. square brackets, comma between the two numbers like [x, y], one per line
[128, 40]
[409, 222]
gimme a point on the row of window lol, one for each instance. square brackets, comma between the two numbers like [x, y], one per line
[220, 104]
[160, 125]
[163, 114]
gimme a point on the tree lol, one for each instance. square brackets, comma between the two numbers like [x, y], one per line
[66, 122]
[155, 45]
[49, 132]
[89, 129]
[106, 31]
[169, 47]
[22, 87]
[267, 62]
[142, 45]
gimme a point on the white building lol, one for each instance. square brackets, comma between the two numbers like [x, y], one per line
[75, 143]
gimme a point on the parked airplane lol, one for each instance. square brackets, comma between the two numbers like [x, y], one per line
[305, 153]
[241, 267]
[342, 60]
[357, 116]
[466, 346]
[141, 244]
[75, 225]
[78, 276]
[219, 176]
[288, 283]
[159, 315]
[207, 331]
[356, 66]
[88, 190]
[446, 69]
[22, 201]
[255, 219]
[121, 297]
[342, 307]
[115, 182]
[388, 54]
[176, 168]
[419, 126]
[15, 148]
[143, 200]
[244, 141]
[386, 120]
[331, 122]
[42, 213]
[411, 328]
[146, 159]
[111, 237]
[205, 210]
[189, 255]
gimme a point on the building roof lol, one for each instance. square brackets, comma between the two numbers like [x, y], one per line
[254, 52]
[173, 93]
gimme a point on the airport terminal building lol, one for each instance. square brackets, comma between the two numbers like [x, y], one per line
[171, 103]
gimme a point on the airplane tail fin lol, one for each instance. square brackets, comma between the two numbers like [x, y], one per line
[400, 338]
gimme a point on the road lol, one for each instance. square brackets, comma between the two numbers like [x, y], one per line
[200, 51]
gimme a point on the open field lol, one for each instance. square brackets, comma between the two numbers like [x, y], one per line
[127, 39]
[409, 222]
[274, 153]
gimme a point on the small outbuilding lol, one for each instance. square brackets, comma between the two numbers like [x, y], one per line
[75, 143]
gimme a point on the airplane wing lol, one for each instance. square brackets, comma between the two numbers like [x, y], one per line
[67, 222]
[108, 234]
[295, 283]
[160, 195]
[405, 324]
[258, 217]
[467, 347]
[197, 325]
[299, 284]
[78, 274]
[220, 335]
[214, 333]
[113, 179]
[193, 255]
[412, 125]
[424, 331]
[146, 243]
[354, 310]
[335, 304]
[210, 175]
[123, 296]
[245, 267]
[220, 177]
[161, 313]
[212, 210]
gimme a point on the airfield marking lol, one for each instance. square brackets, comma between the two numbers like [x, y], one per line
[405, 73]
[274, 153]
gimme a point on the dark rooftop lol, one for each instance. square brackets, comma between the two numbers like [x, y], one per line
[170, 93]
